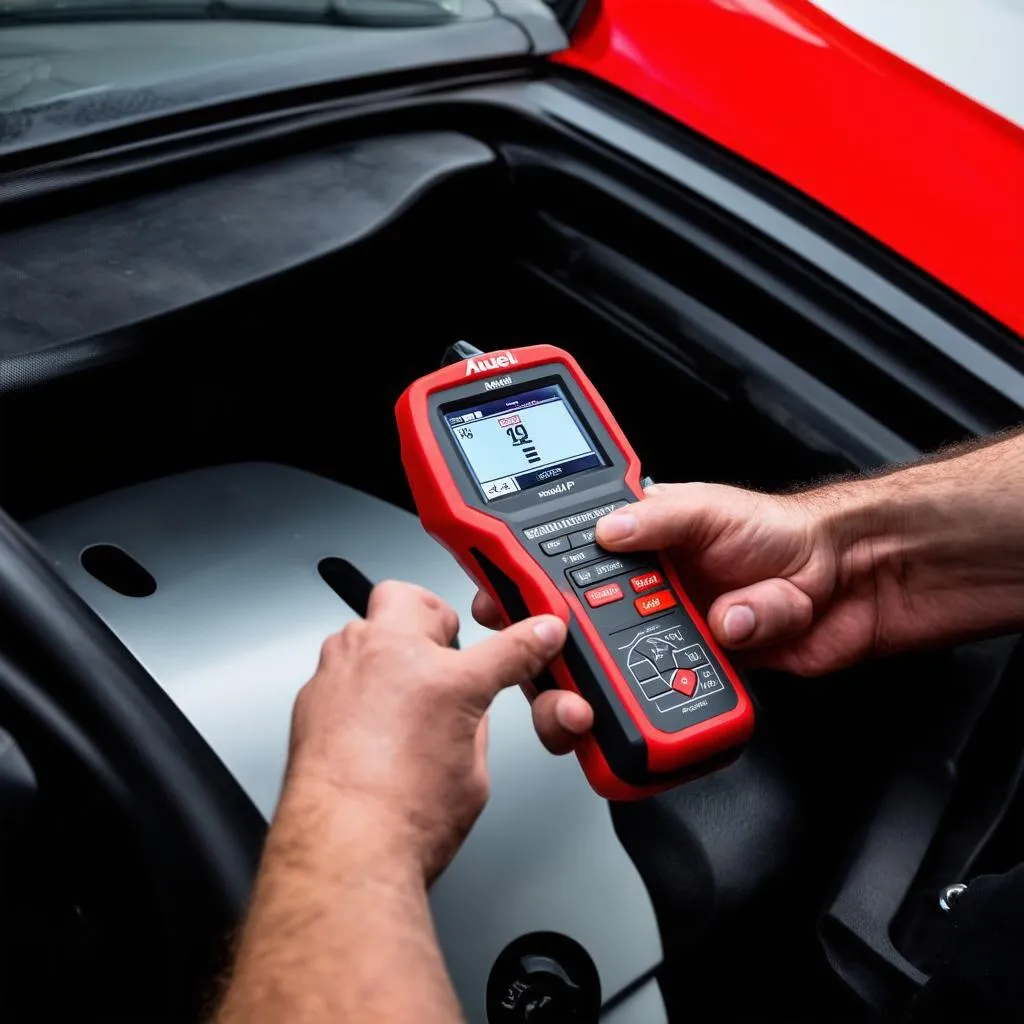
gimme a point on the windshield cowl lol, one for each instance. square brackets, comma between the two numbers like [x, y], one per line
[368, 13]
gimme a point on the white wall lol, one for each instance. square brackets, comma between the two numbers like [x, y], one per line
[976, 46]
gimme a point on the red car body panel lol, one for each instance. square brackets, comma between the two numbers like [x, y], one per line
[920, 167]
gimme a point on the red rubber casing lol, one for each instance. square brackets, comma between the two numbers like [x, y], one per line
[460, 527]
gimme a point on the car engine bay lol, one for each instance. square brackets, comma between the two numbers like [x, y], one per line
[205, 379]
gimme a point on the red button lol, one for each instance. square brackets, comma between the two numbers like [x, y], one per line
[645, 581]
[655, 602]
[685, 681]
[603, 595]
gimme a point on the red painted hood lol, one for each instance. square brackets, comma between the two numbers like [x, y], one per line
[915, 164]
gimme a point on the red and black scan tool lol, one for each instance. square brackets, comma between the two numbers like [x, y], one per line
[512, 458]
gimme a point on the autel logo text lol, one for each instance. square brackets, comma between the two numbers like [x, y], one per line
[483, 363]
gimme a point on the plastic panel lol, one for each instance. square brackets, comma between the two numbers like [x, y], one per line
[102, 271]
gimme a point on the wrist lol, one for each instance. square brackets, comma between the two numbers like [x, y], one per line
[863, 522]
[958, 516]
[343, 826]
[938, 547]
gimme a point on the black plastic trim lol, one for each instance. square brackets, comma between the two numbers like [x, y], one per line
[209, 824]
[604, 224]
[350, 66]
[821, 416]
[156, 253]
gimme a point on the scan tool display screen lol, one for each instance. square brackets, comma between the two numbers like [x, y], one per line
[521, 441]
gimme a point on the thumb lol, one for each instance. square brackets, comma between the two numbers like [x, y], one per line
[669, 515]
[761, 615]
[515, 655]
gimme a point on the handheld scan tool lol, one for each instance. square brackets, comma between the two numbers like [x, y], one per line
[512, 458]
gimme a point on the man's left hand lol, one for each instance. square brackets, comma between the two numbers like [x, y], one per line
[393, 723]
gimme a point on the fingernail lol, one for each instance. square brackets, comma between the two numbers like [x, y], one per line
[739, 623]
[550, 632]
[617, 526]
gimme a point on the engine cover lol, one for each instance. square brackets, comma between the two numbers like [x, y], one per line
[233, 629]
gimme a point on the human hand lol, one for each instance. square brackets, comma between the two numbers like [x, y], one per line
[765, 568]
[393, 723]
[814, 581]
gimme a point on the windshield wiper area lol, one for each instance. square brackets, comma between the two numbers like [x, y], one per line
[366, 13]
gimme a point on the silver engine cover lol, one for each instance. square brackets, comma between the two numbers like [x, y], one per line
[234, 629]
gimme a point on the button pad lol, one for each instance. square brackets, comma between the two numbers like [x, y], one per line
[655, 687]
[627, 598]
[599, 570]
[651, 604]
[581, 537]
[684, 681]
[555, 546]
[643, 669]
[679, 683]
[689, 656]
[578, 556]
[606, 594]
[566, 524]
[646, 581]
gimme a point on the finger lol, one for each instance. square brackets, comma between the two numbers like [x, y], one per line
[669, 515]
[410, 608]
[561, 718]
[512, 656]
[486, 611]
[760, 615]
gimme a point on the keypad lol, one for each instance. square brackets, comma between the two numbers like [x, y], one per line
[577, 556]
[576, 521]
[651, 604]
[555, 546]
[606, 594]
[637, 612]
[671, 671]
[581, 537]
[646, 581]
[599, 570]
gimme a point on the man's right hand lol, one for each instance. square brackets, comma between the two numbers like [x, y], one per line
[815, 581]
[772, 557]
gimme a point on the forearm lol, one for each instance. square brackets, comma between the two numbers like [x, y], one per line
[941, 541]
[340, 928]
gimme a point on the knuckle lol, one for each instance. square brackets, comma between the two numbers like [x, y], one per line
[387, 589]
[332, 648]
[357, 631]
[524, 653]
[339, 644]
[433, 602]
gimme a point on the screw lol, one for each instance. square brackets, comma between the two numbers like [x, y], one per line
[950, 895]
